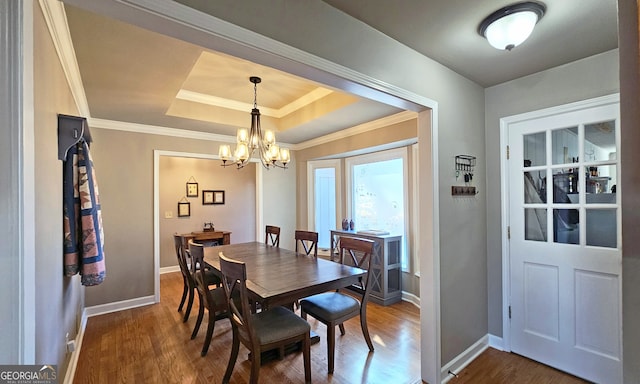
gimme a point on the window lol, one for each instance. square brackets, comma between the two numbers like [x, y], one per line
[377, 193]
[323, 207]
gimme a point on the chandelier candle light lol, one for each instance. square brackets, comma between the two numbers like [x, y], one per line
[255, 140]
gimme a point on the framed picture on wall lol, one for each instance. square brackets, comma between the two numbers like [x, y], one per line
[192, 189]
[184, 209]
[218, 197]
[207, 197]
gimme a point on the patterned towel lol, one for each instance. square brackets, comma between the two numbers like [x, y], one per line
[83, 235]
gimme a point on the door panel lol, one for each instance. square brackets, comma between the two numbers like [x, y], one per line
[564, 248]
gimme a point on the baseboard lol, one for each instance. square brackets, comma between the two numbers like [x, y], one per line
[173, 268]
[119, 306]
[462, 360]
[496, 342]
[73, 361]
[411, 298]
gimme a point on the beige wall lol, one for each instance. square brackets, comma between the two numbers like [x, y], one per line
[59, 299]
[237, 214]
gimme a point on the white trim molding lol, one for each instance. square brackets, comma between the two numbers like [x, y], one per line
[465, 358]
[56, 19]
[117, 306]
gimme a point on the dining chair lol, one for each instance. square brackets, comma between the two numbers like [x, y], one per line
[210, 298]
[272, 236]
[262, 331]
[186, 277]
[308, 242]
[334, 308]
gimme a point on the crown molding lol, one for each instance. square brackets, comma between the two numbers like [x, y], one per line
[56, 19]
[215, 101]
[158, 130]
[358, 129]
[197, 135]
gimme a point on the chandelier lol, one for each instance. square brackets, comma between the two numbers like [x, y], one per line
[254, 140]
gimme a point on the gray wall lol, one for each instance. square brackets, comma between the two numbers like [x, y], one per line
[629, 32]
[10, 167]
[584, 79]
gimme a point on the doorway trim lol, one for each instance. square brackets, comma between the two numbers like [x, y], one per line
[504, 189]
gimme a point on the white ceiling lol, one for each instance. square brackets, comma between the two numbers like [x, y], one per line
[135, 75]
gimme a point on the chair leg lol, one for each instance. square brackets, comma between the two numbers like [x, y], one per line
[306, 355]
[365, 329]
[235, 347]
[196, 328]
[342, 331]
[331, 345]
[255, 367]
[207, 340]
[185, 290]
[189, 305]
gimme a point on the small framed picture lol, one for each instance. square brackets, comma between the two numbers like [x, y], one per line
[184, 209]
[218, 197]
[207, 197]
[192, 189]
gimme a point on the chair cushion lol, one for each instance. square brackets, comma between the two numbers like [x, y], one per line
[330, 306]
[277, 324]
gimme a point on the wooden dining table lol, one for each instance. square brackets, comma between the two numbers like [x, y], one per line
[278, 276]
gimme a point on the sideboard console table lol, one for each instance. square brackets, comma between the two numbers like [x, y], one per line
[221, 237]
[386, 278]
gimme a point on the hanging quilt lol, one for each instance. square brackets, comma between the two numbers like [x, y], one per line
[83, 233]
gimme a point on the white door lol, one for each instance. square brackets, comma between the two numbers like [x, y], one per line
[564, 247]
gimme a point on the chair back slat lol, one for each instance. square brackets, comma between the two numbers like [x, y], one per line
[309, 242]
[180, 254]
[234, 282]
[198, 273]
[358, 252]
[272, 235]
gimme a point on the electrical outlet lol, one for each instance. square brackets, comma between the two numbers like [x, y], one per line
[71, 344]
[168, 214]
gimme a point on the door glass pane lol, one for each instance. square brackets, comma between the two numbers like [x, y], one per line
[565, 185]
[600, 141]
[566, 228]
[535, 187]
[535, 149]
[325, 204]
[564, 144]
[535, 224]
[602, 228]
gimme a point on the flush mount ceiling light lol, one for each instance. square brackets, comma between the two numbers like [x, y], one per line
[510, 26]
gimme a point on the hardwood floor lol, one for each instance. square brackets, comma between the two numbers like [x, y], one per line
[497, 367]
[151, 345]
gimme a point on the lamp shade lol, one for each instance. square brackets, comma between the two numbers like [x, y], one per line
[512, 25]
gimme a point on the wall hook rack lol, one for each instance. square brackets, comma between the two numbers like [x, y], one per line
[71, 129]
